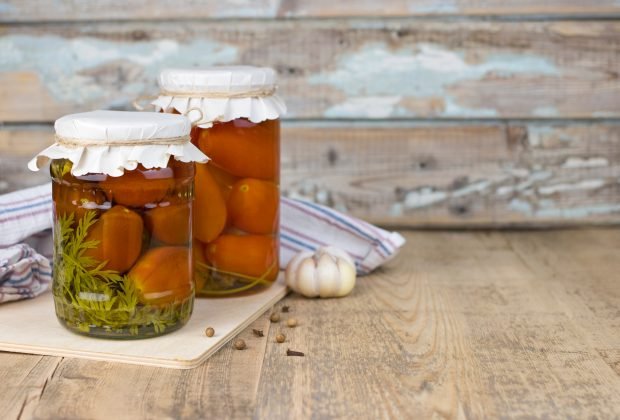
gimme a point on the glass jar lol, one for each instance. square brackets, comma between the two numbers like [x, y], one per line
[236, 210]
[122, 242]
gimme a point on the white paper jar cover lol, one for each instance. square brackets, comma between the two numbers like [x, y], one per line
[220, 94]
[108, 142]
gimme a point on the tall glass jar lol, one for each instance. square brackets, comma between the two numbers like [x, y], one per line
[122, 222]
[236, 217]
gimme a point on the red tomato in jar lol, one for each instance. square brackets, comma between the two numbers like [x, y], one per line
[169, 224]
[243, 148]
[209, 213]
[253, 206]
[139, 187]
[163, 275]
[250, 255]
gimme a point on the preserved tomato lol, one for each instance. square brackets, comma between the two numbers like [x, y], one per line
[163, 275]
[253, 206]
[118, 236]
[248, 255]
[243, 148]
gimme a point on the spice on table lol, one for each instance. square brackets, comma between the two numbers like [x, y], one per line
[291, 323]
[258, 333]
[285, 308]
[290, 352]
[274, 317]
[209, 332]
[280, 338]
[239, 344]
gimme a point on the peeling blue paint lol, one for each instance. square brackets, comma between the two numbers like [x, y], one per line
[422, 71]
[6, 8]
[71, 69]
[547, 210]
[433, 7]
[578, 212]
[537, 135]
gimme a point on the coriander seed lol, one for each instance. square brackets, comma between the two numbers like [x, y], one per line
[280, 338]
[239, 344]
[291, 323]
[209, 332]
[274, 317]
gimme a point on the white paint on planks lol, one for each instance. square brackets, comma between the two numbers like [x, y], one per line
[433, 7]
[552, 212]
[580, 163]
[423, 71]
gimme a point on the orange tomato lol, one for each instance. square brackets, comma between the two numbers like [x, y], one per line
[163, 274]
[76, 199]
[253, 206]
[119, 232]
[139, 187]
[209, 213]
[243, 148]
[169, 224]
[250, 255]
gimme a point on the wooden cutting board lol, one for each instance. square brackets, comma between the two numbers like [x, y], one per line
[30, 326]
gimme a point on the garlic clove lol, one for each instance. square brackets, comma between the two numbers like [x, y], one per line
[292, 279]
[328, 275]
[307, 282]
[347, 277]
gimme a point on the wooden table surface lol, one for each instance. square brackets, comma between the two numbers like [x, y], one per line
[460, 325]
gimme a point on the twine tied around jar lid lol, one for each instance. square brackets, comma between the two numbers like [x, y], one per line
[255, 93]
[73, 142]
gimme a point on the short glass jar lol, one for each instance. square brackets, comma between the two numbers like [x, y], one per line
[236, 210]
[122, 222]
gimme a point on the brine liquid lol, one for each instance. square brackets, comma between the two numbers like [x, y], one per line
[122, 250]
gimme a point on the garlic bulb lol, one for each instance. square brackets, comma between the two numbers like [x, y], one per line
[328, 272]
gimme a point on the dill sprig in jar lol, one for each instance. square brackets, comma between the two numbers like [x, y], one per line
[236, 217]
[122, 191]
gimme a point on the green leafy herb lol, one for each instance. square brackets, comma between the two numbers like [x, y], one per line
[88, 297]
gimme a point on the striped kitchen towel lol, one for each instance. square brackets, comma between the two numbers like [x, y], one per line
[26, 217]
[23, 273]
[306, 226]
[24, 213]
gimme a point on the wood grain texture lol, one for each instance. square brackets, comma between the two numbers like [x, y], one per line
[333, 68]
[460, 325]
[25, 379]
[427, 174]
[31, 10]
[107, 390]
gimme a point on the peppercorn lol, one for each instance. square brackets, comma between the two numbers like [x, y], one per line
[209, 332]
[280, 338]
[291, 323]
[239, 344]
[274, 317]
[285, 308]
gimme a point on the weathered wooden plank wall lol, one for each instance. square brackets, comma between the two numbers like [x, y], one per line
[409, 115]
[36, 10]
